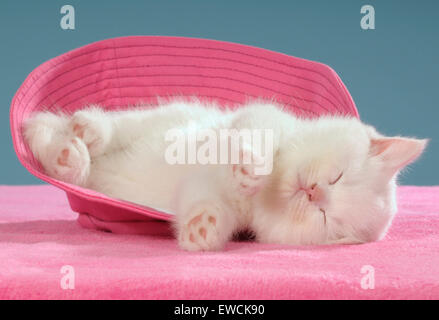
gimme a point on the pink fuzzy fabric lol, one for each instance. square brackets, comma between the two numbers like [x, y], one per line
[39, 235]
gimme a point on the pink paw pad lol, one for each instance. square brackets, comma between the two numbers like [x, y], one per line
[88, 128]
[198, 226]
[71, 162]
[78, 130]
[63, 158]
[248, 182]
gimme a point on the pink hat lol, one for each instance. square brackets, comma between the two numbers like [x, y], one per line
[126, 71]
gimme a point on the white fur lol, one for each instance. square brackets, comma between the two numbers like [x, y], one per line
[121, 154]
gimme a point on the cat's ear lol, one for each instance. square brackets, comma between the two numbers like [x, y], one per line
[396, 152]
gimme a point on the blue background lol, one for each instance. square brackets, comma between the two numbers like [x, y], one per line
[392, 72]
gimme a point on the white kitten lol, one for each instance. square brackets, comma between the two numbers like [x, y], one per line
[333, 178]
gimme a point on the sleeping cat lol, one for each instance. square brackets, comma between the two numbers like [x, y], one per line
[332, 178]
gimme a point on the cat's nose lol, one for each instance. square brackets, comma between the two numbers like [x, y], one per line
[315, 193]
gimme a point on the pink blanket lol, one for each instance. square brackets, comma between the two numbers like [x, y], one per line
[39, 235]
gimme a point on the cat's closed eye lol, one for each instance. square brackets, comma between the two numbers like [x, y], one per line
[337, 179]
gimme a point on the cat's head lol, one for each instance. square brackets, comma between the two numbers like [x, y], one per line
[335, 182]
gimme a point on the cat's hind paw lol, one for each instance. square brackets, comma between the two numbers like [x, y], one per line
[71, 162]
[201, 231]
[93, 128]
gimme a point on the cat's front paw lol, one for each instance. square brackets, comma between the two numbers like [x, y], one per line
[245, 175]
[93, 128]
[71, 162]
[202, 229]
